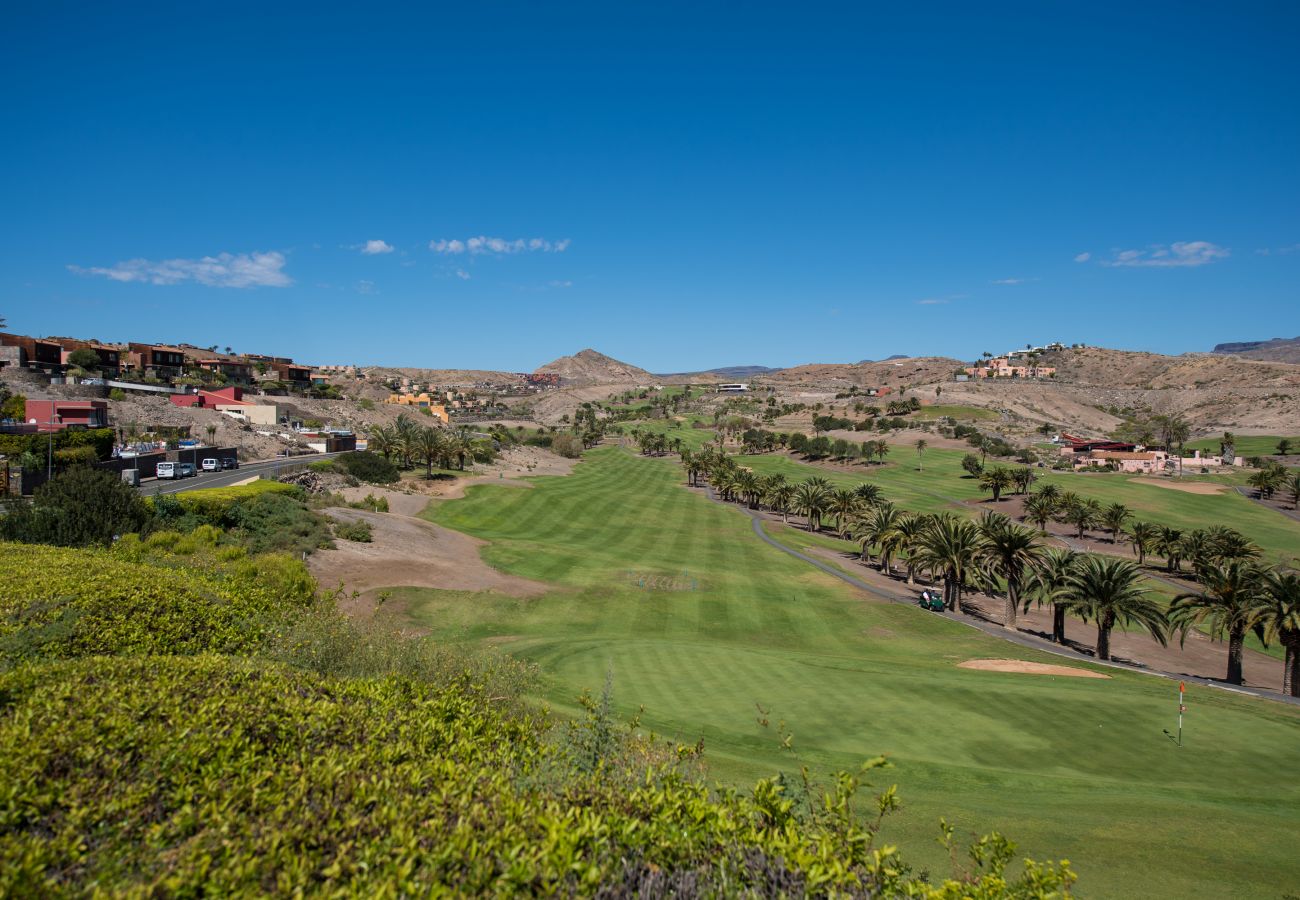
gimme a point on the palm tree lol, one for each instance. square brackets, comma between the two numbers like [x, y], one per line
[1113, 518]
[1039, 509]
[1293, 485]
[1143, 536]
[1024, 477]
[1169, 544]
[879, 528]
[383, 440]
[870, 494]
[1229, 602]
[1109, 591]
[779, 499]
[950, 546]
[1047, 583]
[428, 447]
[996, 479]
[911, 527]
[1279, 619]
[920, 445]
[1082, 514]
[882, 450]
[211, 431]
[1008, 552]
[811, 500]
[843, 503]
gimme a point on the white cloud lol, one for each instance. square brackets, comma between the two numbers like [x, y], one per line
[497, 246]
[375, 247]
[1083, 257]
[1180, 254]
[236, 270]
[932, 301]
[462, 275]
[366, 287]
[559, 284]
[1011, 280]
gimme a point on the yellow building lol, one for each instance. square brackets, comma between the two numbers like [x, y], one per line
[422, 401]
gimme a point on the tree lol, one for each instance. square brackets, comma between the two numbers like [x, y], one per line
[1008, 552]
[1082, 514]
[1228, 602]
[1109, 591]
[780, 498]
[996, 479]
[428, 447]
[870, 494]
[920, 445]
[971, 463]
[811, 500]
[1047, 584]
[79, 507]
[879, 528]
[951, 546]
[1143, 536]
[84, 358]
[1169, 544]
[1113, 518]
[1279, 619]
[210, 430]
[1023, 478]
[1293, 485]
[844, 503]
[1284, 447]
[1039, 509]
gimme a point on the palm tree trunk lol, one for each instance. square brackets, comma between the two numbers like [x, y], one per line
[911, 573]
[1058, 623]
[1291, 667]
[1236, 642]
[1103, 640]
[1012, 606]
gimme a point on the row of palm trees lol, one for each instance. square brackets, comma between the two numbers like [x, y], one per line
[1274, 477]
[996, 555]
[408, 442]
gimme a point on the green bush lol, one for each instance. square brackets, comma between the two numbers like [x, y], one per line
[366, 466]
[358, 531]
[117, 395]
[219, 776]
[59, 602]
[276, 522]
[76, 508]
[101, 439]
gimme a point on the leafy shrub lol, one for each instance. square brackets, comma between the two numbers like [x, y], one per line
[567, 445]
[358, 531]
[117, 395]
[213, 504]
[276, 522]
[227, 776]
[76, 508]
[367, 466]
[101, 439]
[74, 456]
[58, 602]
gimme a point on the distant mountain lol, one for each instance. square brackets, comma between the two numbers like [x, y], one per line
[590, 367]
[867, 362]
[1275, 350]
[724, 372]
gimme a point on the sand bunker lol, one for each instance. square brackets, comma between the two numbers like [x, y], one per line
[1190, 487]
[1023, 667]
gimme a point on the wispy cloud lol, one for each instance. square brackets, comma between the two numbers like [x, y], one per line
[1178, 254]
[1280, 251]
[559, 284]
[366, 287]
[1083, 257]
[497, 246]
[462, 275]
[233, 270]
[1012, 280]
[374, 247]
[932, 301]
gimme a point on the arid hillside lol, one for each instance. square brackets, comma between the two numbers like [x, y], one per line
[892, 374]
[591, 367]
[1286, 350]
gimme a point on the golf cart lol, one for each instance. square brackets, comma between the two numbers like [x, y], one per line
[931, 601]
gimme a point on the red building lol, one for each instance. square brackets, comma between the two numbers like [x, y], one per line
[56, 415]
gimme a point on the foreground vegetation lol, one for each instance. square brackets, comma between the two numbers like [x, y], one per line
[776, 666]
[190, 718]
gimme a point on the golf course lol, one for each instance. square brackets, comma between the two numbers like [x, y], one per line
[777, 666]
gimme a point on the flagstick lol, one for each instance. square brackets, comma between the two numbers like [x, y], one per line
[1181, 709]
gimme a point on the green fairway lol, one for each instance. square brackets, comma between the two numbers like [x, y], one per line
[942, 486]
[953, 411]
[712, 630]
[1247, 444]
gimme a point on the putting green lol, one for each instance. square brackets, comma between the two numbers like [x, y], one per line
[712, 631]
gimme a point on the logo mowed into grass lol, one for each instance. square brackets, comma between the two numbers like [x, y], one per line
[663, 581]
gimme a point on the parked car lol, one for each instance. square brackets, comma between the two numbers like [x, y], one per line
[229, 462]
[169, 470]
[187, 470]
[211, 464]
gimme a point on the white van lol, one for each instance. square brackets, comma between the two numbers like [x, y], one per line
[211, 465]
[169, 470]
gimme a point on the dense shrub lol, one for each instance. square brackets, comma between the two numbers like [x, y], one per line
[101, 439]
[76, 508]
[218, 776]
[367, 466]
[358, 531]
[567, 445]
[276, 522]
[212, 504]
[57, 602]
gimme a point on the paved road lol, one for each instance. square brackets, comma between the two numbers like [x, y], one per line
[226, 478]
[992, 628]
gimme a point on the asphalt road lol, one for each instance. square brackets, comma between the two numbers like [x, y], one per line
[227, 478]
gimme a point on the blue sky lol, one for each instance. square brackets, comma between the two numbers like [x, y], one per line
[680, 185]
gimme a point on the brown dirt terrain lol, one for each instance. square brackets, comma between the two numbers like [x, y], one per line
[1189, 487]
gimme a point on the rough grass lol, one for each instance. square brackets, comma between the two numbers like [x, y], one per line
[743, 646]
[1247, 444]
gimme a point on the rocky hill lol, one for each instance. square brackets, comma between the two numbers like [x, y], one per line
[890, 373]
[590, 367]
[1286, 350]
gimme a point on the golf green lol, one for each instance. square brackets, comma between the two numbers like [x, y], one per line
[777, 666]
